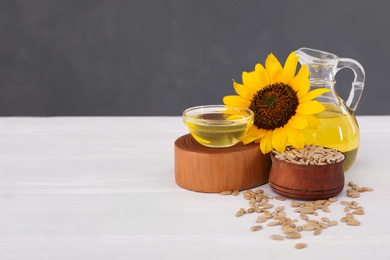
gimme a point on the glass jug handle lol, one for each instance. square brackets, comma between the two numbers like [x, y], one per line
[357, 84]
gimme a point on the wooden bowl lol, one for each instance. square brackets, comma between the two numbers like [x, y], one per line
[306, 182]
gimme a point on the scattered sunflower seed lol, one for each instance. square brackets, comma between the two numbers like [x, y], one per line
[240, 212]
[280, 198]
[300, 245]
[235, 192]
[293, 235]
[226, 192]
[276, 237]
[273, 223]
[256, 228]
[261, 203]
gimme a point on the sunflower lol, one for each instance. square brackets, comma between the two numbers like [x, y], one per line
[281, 102]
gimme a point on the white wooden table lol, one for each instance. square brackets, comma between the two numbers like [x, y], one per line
[104, 188]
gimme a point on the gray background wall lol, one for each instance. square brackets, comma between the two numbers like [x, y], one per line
[158, 57]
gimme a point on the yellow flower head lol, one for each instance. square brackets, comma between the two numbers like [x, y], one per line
[281, 102]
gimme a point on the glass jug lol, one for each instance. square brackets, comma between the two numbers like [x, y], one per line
[338, 126]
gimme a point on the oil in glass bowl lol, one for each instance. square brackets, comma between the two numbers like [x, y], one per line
[218, 126]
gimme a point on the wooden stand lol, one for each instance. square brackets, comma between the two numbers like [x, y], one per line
[205, 169]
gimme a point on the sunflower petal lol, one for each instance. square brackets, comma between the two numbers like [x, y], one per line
[263, 76]
[253, 134]
[266, 142]
[243, 90]
[236, 101]
[273, 67]
[312, 121]
[310, 107]
[298, 122]
[290, 68]
[313, 94]
[279, 139]
[250, 81]
[257, 81]
[295, 137]
[301, 83]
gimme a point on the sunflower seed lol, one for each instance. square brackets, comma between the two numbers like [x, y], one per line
[258, 197]
[288, 230]
[250, 210]
[353, 193]
[261, 219]
[350, 220]
[281, 213]
[240, 212]
[226, 192]
[307, 211]
[300, 245]
[273, 223]
[317, 231]
[280, 198]
[319, 202]
[325, 219]
[256, 228]
[277, 217]
[276, 237]
[235, 192]
[353, 222]
[323, 225]
[295, 204]
[268, 206]
[359, 211]
[364, 189]
[308, 227]
[304, 216]
[267, 214]
[293, 235]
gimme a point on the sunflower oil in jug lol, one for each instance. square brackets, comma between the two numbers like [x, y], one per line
[338, 127]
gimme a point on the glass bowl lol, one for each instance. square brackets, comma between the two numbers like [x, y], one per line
[218, 126]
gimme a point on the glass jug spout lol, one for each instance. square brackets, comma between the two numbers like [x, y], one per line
[323, 67]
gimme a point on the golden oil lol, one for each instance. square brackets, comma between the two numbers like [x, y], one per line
[337, 130]
[218, 130]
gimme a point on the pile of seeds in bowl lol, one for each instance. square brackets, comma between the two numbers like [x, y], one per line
[310, 155]
[307, 211]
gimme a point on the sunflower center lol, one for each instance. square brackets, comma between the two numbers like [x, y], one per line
[274, 105]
